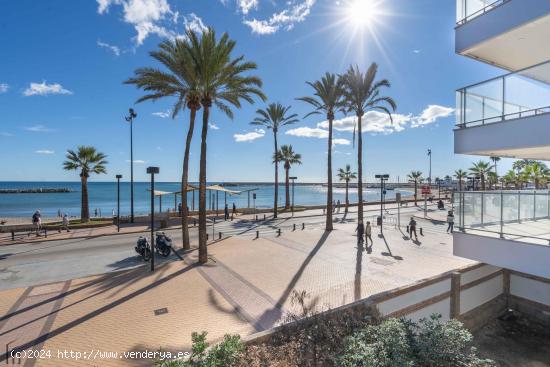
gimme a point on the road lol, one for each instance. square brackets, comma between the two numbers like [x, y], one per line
[29, 264]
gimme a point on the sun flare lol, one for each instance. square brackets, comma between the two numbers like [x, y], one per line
[362, 12]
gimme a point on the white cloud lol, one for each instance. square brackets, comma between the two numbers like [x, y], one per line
[251, 136]
[5, 134]
[43, 89]
[138, 161]
[341, 142]
[114, 49]
[296, 12]
[246, 5]
[416, 51]
[308, 132]
[4, 87]
[44, 151]
[38, 129]
[431, 114]
[161, 114]
[194, 23]
[213, 126]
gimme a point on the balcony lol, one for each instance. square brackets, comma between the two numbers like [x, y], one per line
[505, 33]
[509, 229]
[507, 116]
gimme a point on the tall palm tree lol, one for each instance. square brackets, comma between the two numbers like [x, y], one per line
[481, 169]
[460, 175]
[327, 99]
[179, 81]
[221, 82]
[346, 175]
[519, 166]
[289, 157]
[511, 177]
[495, 160]
[274, 117]
[416, 177]
[537, 172]
[362, 94]
[88, 160]
[492, 180]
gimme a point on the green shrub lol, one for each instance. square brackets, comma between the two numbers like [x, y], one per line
[400, 342]
[224, 354]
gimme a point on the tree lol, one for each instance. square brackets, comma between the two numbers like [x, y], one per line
[512, 178]
[416, 177]
[327, 98]
[519, 166]
[362, 94]
[88, 160]
[288, 157]
[492, 180]
[481, 169]
[537, 172]
[495, 160]
[179, 81]
[274, 117]
[460, 175]
[346, 175]
[221, 82]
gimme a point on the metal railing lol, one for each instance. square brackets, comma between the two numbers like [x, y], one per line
[467, 9]
[518, 94]
[495, 212]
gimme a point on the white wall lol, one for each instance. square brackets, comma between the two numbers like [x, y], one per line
[530, 289]
[480, 294]
[416, 296]
[477, 273]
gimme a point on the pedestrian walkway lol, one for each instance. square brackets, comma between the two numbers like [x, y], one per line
[247, 286]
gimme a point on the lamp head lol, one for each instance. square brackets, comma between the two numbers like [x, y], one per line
[153, 170]
[118, 177]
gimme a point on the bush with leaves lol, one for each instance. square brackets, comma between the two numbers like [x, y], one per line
[400, 342]
[224, 354]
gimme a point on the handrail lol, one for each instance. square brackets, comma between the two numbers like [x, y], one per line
[504, 117]
[481, 12]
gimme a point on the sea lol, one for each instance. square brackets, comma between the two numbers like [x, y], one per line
[103, 197]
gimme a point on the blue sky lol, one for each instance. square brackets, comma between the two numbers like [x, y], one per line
[63, 63]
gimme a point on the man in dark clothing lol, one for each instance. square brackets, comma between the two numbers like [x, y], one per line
[226, 212]
[412, 228]
[234, 212]
[179, 209]
[360, 232]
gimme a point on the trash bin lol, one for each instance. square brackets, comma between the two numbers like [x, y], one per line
[379, 221]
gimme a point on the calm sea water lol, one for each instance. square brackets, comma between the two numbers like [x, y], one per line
[102, 195]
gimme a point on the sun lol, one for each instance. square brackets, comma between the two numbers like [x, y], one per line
[362, 12]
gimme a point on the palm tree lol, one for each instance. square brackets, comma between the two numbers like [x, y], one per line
[519, 166]
[481, 169]
[274, 117]
[289, 157]
[362, 94]
[88, 160]
[460, 175]
[492, 179]
[327, 98]
[511, 177]
[346, 175]
[537, 172]
[495, 160]
[178, 81]
[416, 177]
[221, 82]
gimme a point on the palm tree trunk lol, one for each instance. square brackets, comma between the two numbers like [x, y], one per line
[359, 169]
[415, 192]
[347, 200]
[459, 185]
[287, 187]
[84, 208]
[185, 182]
[276, 191]
[328, 224]
[203, 254]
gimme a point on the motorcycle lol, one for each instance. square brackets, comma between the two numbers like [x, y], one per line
[163, 244]
[143, 249]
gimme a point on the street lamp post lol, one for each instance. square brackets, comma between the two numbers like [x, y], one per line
[130, 118]
[118, 177]
[430, 173]
[152, 171]
[293, 178]
[382, 178]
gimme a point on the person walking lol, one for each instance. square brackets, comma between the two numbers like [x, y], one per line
[412, 229]
[368, 235]
[179, 209]
[226, 212]
[234, 212]
[65, 223]
[338, 205]
[360, 232]
[450, 221]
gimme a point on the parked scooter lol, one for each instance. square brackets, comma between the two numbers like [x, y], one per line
[163, 244]
[143, 249]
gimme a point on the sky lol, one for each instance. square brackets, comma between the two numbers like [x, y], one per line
[64, 62]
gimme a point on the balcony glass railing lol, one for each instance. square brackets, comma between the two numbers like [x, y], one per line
[467, 10]
[520, 94]
[518, 215]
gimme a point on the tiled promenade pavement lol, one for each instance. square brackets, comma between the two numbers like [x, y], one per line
[246, 287]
